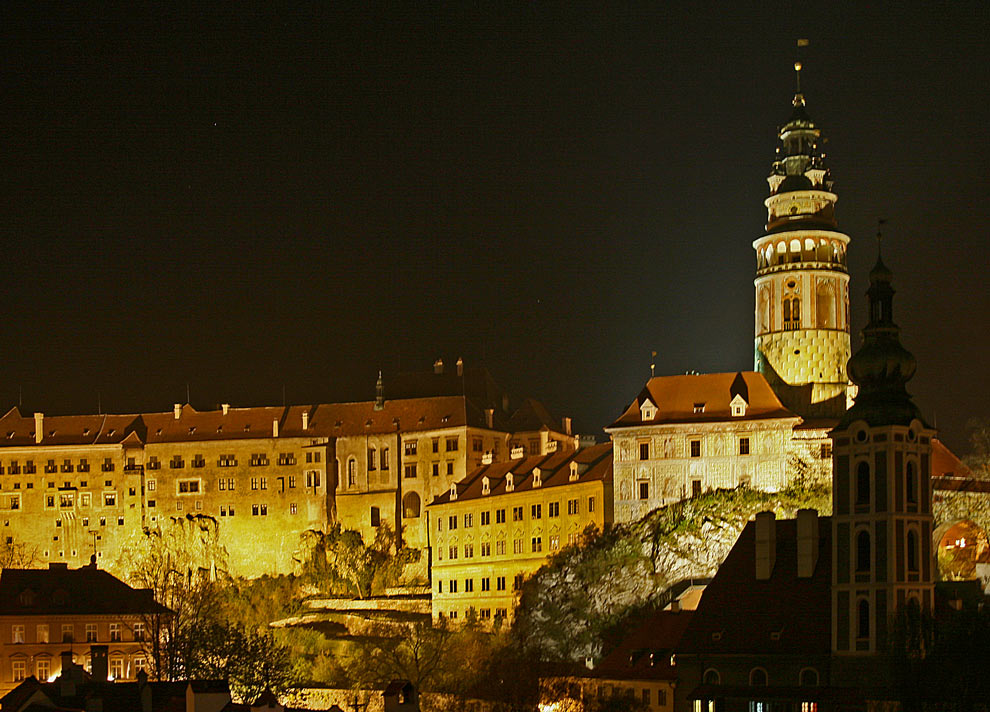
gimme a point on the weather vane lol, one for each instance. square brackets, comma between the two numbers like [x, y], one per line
[653, 365]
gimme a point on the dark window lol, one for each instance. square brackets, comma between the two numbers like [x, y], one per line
[863, 551]
[644, 451]
[644, 490]
[863, 619]
[912, 484]
[743, 446]
[863, 483]
[758, 677]
[695, 488]
[912, 551]
[695, 448]
[376, 517]
[809, 677]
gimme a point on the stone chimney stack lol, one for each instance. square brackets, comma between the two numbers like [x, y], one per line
[39, 427]
[275, 428]
[807, 542]
[490, 418]
[438, 366]
[305, 420]
[177, 410]
[567, 425]
[379, 393]
[98, 659]
[766, 544]
[225, 408]
[460, 366]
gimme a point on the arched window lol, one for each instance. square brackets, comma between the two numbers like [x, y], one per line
[758, 677]
[351, 472]
[863, 551]
[712, 677]
[863, 483]
[792, 312]
[765, 314]
[912, 550]
[863, 619]
[410, 505]
[825, 298]
[809, 677]
[911, 483]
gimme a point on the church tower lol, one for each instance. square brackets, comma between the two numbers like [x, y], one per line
[802, 285]
[881, 493]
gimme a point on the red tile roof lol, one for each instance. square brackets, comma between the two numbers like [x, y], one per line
[59, 590]
[677, 399]
[645, 653]
[738, 614]
[950, 473]
[593, 463]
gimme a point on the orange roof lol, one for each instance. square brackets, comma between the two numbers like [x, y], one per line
[594, 463]
[945, 463]
[700, 398]
[325, 420]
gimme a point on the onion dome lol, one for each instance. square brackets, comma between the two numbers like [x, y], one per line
[881, 367]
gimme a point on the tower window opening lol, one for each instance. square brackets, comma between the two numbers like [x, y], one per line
[912, 551]
[863, 619]
[863, 551]
[863, 484]
[792, 312]
[911, 484]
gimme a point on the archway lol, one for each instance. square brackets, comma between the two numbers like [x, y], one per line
[961, 547]
[410, 505]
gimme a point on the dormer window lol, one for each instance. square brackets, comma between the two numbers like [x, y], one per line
[509, 484]
[574, 472]
[699, 407]
[453, 491]
[647, 411]
[537, 477]
[485, 485]
[738, 406]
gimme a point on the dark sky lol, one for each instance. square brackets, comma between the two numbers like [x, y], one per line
[244, 200]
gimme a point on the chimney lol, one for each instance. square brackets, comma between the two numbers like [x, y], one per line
[98, 661]
[39, 427]
[807, 542]
[460, 366]
[544, 439]
[177, 410]
[225, 407]
[567, 425]
[438, 366]
[379, 393]
[766, 544]
[275, 428]
[305, 420]
[490, 418]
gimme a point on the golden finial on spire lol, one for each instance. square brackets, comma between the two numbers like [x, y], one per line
[798, 97]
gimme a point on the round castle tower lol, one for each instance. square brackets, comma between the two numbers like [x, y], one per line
[802, 284]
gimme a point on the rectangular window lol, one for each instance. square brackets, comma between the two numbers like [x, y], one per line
[254, 510]
[450, 468]
[452, 521]
[286, 458]
[572, 506]
[500, 583]
[500, 516]
[436, 469]
[227, 461]
[485, 614]
[264, 483]
[468, 585]
[644, 451]
[553, 509]
[50, 467]
[826, 451]
[409, 448]
[109, 499]
[67, 633]
[17, 634]
[154, 463]
[537, 544]
[500, 547]
[292, 508]
[517, 514]
[410, 471]
[188, 486]
[222, 484]
[114, 629]
[517, 546]
[644, 490]
[486, 518]
[259, 459]
[67, 466]
[517, 582]
[371, 459]
[138, 630]
[436, 444]
[469, 551]
[469, 520]
[453, 589]
[439, 586]
[452, 444]
[384, 462]
[695, 448]
[536, 511]
[116, 668]
[175, 463]
[554, 542]
[91, 633]
[254, 483]
[695, 488]
[18, 667]
[743, 446]
[486, 548]
[42, 633]
[292, 481]
[591, 504]
[198, 461]
[43, 669]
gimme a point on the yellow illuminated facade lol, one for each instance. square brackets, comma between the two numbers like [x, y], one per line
[496, 527]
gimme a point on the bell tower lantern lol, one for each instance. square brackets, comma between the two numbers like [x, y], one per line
[802, 284]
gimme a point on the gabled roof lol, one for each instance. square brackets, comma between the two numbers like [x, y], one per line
[407, 415]
[593, 463]
[644, 654]
[739, 614]
[59, 590]
[532, 415]
[702, 398]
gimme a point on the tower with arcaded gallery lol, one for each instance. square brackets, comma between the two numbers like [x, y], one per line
[802, 283]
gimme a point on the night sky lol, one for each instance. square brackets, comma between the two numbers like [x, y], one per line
[245, 201]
